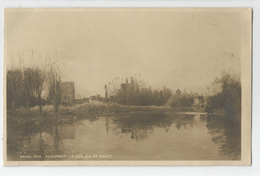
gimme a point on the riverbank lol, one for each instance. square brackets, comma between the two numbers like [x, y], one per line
[71, 114]
[32, 119]
[94, 109]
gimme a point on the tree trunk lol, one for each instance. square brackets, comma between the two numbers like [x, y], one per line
[27, 105]
[40, 103]
[56, 109]
[13, 105]
[40, 109]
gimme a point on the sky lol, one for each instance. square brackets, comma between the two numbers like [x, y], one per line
[175, 48]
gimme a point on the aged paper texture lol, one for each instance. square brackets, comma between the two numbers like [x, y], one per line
[127, 86]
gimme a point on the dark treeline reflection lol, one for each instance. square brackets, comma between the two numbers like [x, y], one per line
[51, 139]
[142, 125]
[227, 134]
[38, 137]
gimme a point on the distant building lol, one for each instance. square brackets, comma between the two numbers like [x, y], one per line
[82, 100]
[95, 98]
[178, 92]
[126, 86]
[79, 101]
[68, 93]
[200, 103]
[86, 100]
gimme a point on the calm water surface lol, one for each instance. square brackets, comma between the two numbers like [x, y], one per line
[131, 136]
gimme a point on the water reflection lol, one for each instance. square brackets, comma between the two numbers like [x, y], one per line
[140, 126]
[227, 134]
[165, 135]
[183, 121]
[107, 125]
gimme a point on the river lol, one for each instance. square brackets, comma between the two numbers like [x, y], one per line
[131, 136]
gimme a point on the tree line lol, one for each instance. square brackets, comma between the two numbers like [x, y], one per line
[135, 92]
[182, 100]
[226, 94]
[25, 85]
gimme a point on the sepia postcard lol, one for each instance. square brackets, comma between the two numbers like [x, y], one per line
[127, 86]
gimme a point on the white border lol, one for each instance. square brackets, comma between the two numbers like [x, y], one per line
[184, 170]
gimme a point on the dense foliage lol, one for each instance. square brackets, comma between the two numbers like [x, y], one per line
[25, 85]
[22, 88]
[182, 100]
[135, 93]
[229, 96]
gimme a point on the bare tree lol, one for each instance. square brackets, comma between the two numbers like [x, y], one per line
[40, 77]
[14, 86]
[106, 92]
[55, 87]
[113, 86]
[28, 84]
